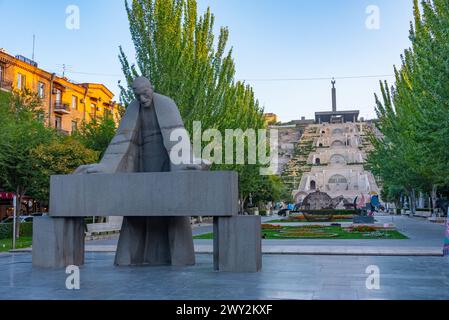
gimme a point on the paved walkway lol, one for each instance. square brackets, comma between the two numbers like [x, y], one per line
[283, 277]
[425, 239]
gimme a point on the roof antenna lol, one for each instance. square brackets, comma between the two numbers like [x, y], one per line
[34, 45]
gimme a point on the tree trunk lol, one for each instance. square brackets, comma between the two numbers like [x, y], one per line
[413, 202]
[242, 204]
[434, 198]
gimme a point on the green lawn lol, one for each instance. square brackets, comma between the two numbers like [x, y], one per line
[6, 244]
[317, 232]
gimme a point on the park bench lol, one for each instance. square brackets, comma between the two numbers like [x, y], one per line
[440, 220]
[58, 239]
[98, 229]
[423, 214]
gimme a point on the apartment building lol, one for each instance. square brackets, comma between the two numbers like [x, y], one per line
[66, 104]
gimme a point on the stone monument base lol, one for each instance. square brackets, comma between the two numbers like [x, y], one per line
[155, 241]
[58, 242]
[237, 244]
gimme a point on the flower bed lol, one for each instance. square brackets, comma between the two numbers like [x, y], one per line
[276, 232]
[363, 229]
[339, 212]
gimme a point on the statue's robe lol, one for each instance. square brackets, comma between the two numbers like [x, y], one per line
[142, 144]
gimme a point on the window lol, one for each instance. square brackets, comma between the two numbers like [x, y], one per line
[58, 123]
[337, 131]
[338, 143]
[74, 103]
[337, 179]
[2, 72]
[74, 126]
[21, 81]
[338, 159]
[108, 113]
[58, 94]
[41, 90]
[93, 110]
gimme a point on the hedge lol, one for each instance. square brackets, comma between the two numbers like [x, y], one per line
[6, 230]
[340, 212]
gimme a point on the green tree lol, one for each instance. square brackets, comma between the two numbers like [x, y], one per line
[413, 117]
[97, 134]
[177, 50]
[21, 130]
[61, 156]
[30, 151]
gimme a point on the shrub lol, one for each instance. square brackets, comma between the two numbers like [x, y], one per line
[318, 217]
[26, 229]
[6, 230]
[342, 217]
[330, 212]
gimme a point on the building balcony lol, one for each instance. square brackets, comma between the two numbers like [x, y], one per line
[62, 108]
[6, 84]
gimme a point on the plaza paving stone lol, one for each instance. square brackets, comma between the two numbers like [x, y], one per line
[283, 277]
[425, 239]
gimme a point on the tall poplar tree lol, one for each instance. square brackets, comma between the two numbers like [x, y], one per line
[414, 115]
[177, 50]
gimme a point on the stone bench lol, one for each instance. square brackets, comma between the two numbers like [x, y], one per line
[98, 228]
[58, 240]
[437, 219]
[423, 214]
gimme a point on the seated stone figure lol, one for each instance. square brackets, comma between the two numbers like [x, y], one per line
[142, 144]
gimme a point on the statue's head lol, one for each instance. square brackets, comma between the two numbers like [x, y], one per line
[143, 90]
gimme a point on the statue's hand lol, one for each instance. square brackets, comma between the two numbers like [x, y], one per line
[203, 166]
[92, 169]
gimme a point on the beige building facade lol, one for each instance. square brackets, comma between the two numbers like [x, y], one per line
[337, 163]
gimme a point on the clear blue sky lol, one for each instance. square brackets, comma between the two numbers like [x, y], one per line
[272, 39]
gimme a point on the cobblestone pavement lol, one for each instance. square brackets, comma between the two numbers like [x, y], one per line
[283, 277]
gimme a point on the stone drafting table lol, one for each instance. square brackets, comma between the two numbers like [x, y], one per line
[58, 240]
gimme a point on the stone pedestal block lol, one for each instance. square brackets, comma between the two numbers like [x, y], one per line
[58, 242]
[237, 244]
[155, 241]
